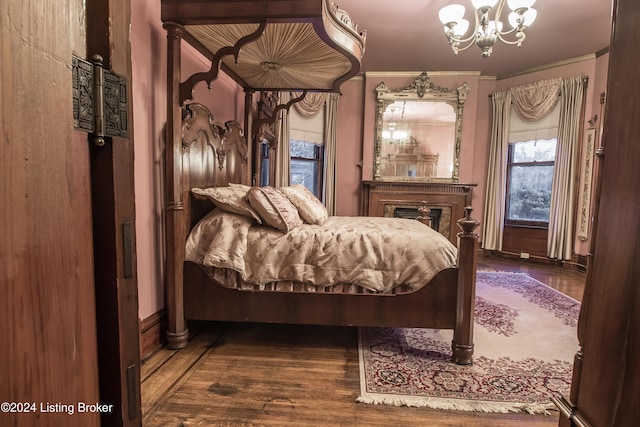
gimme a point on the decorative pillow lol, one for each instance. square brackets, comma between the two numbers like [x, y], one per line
[274, 208]
[232, 199]
[310, 208]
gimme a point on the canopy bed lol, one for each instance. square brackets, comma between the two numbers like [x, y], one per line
[211, 272]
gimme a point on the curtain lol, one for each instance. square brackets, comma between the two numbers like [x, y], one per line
[330, 139]
[497, 173]
[561, 221]
[283, 158]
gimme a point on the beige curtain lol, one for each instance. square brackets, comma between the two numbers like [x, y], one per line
[283, 157]
[330, 139]
[497, 173]
[534, 101]
[562, 218]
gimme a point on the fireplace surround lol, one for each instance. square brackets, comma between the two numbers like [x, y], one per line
[446, 200]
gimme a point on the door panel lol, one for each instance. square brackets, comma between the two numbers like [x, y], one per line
[47, 303]
[57, 190]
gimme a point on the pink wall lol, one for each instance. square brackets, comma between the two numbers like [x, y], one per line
[349, 149]
[148, 40]
[355, 131]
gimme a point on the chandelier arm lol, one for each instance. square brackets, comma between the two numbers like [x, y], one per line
[474, 33]
[505, 41]
[472, 42]
[471, 38]
[499, 8]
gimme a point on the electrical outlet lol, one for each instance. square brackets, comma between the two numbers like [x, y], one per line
[524, 255]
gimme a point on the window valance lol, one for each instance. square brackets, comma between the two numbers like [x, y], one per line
[311, 105]
[534, 101]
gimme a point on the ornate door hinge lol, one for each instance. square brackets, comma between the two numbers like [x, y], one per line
[99, 100]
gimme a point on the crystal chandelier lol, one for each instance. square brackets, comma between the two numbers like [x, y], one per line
[488, 29]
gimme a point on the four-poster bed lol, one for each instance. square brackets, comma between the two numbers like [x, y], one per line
[202, 154]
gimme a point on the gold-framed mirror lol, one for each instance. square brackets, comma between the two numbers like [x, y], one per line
[418, 132]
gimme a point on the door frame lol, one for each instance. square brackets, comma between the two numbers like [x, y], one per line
[113, 207]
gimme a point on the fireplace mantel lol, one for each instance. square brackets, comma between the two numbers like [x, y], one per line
[382, 198]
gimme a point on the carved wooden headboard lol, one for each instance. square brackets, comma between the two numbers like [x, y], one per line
[213, 155]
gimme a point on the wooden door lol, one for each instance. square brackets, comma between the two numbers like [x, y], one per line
[605, 390]
[62, 342]
[47, 305]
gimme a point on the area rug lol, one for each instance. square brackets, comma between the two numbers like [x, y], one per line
[525, 340]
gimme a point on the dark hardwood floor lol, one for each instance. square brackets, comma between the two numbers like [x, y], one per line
[291, 375]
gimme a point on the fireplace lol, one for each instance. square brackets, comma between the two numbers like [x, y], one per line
[403, 198]
[441, 214]
[412, 213]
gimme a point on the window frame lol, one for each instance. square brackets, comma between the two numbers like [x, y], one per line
[510, 164]
[318, 151]
[265, 163]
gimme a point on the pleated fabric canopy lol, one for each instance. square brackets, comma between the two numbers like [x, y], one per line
[273, 45]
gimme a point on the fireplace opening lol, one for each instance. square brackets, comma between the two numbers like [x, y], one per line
[412, 213]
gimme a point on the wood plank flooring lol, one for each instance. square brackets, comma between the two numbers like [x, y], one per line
[292, 375]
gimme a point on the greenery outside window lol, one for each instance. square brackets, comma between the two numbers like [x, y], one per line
[530, 166]
[307, 165]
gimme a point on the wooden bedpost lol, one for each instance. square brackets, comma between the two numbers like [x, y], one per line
[174, 214]
[462, 344]
[424, 214]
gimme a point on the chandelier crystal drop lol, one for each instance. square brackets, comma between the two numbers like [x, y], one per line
[487, 29]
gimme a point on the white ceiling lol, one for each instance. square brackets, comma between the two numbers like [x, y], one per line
[406, 35]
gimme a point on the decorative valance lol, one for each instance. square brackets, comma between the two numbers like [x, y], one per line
[533, 101]
[311, 105]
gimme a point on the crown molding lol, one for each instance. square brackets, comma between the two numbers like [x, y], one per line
[414, 73]
[548, 66]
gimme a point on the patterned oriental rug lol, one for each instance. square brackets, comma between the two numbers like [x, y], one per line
[525, 340]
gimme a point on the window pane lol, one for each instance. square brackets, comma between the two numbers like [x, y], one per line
[305, 172]
[534, 151]
[302, 149]
[264, 173]
[530, 193]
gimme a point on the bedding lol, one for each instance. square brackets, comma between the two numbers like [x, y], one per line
[274, 208]
[376, 253]
[231, 199]
[310, 207]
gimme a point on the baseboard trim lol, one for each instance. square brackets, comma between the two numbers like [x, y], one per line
[579, 262]
[153, 333]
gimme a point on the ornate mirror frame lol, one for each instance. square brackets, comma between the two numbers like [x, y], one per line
[422, 89]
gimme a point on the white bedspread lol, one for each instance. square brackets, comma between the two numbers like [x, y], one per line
[375, 253]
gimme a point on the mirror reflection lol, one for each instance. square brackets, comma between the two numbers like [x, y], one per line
[417, 139]
[418, 130]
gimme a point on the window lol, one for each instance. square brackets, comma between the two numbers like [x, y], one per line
[306, 165]
[529, 179]
[306, 151]
[264, 163]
